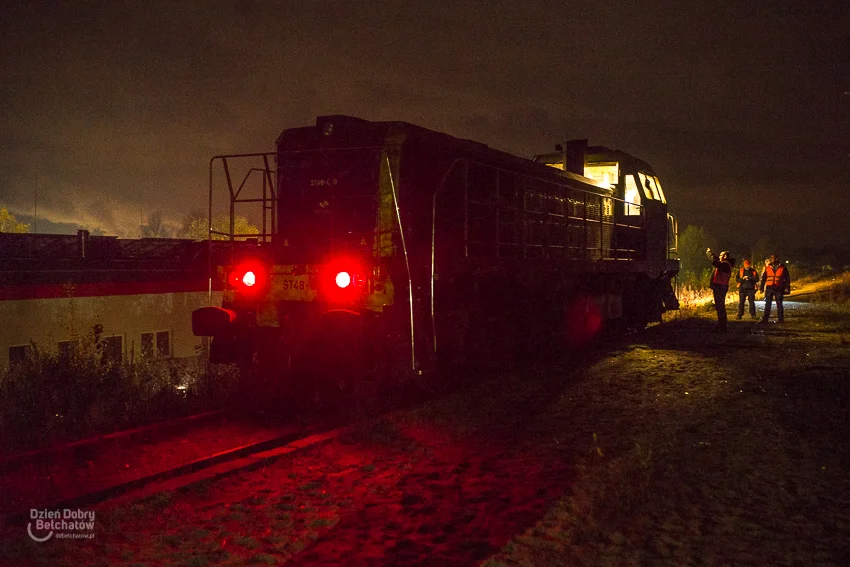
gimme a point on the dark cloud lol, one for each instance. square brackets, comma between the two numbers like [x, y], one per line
[113, 109]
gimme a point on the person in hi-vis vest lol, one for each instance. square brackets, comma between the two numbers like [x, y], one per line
[720, 283]
[775, 284]
[748, 279]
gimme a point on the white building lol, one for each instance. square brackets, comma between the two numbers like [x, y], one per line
[54, 289]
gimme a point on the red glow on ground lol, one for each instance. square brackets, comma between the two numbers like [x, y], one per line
[582, 321]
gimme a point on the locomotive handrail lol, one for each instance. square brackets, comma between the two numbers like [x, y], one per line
[268, 185]
[406, 263]
[673, 233]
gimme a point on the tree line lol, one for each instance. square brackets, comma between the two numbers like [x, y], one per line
[8, 222]
[695, 271]
[193, 226]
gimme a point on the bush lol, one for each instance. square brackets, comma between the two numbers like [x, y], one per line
[53, 398]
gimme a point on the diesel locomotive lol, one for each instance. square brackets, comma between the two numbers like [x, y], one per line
[388, 249]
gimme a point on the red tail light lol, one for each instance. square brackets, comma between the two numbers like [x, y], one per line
[249, 276]
[344, 280]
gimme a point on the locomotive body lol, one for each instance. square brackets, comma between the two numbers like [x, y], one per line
[398, 249]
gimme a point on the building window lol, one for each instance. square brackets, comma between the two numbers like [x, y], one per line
[147, 344]
[19, 354]
[157, 343]
[112, 349]
[163, 343]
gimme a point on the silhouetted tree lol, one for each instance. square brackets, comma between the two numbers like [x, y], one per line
[155, 228]
[692, 244]
[762, 249]
[195, 226]
[8, 222]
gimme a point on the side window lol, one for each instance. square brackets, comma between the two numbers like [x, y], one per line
[147, 344]
[163, 343]
[660, 191]
[156, 344]
[631, 196]
[649, 188]
[606, 173]
[647, 191]
[113, 349]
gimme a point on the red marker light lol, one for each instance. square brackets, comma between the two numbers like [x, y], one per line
[248, 276]
[343, 280]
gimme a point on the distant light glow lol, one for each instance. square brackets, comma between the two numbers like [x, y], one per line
[249, 279]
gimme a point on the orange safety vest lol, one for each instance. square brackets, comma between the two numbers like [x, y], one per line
[721, 278]
[749, 271]
[774, 277]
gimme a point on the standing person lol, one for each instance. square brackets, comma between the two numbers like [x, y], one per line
[720, 283]
[775, 283]
[748, 279]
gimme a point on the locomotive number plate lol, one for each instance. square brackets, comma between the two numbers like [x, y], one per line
[292, 284]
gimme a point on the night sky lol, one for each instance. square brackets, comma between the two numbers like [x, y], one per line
[112, 109]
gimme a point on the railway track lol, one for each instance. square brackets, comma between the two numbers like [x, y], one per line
[69, 464]
[21, 484]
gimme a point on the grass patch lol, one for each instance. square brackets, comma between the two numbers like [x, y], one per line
[323, 522]
[247, 542]
[310, 486]
[380, 432]
[199, 533]
[237, 517]
[159, 501]
[172, 541]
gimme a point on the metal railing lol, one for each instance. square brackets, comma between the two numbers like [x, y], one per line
[252, 181]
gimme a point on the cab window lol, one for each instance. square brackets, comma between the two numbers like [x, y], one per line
[648, 185]
[631, 196]
[660, 191]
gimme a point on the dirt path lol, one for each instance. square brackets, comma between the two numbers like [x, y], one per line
[718, 449]
[677, 446]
